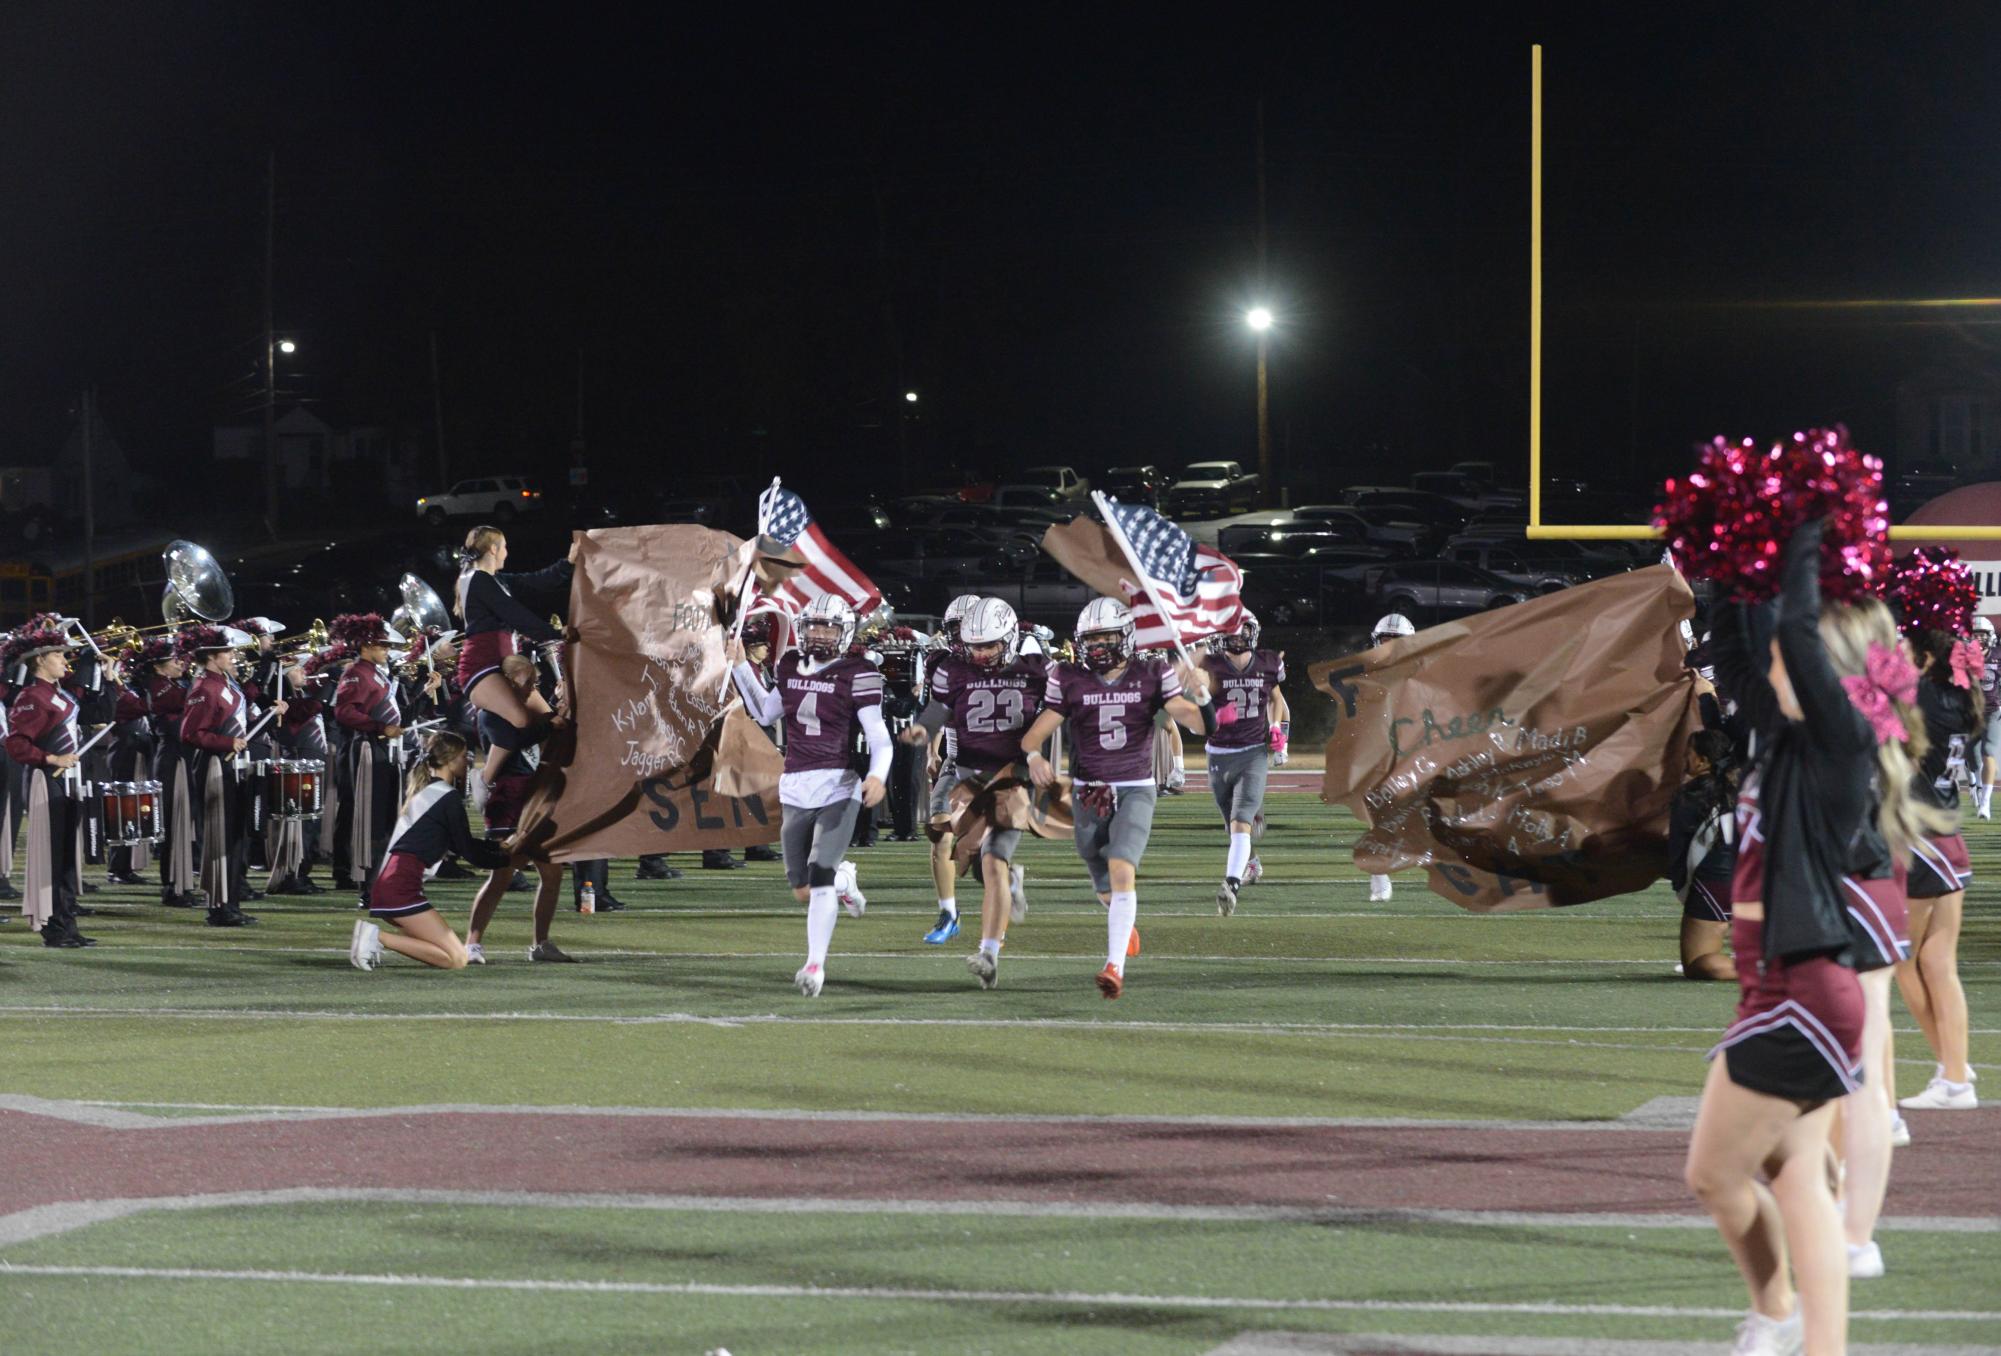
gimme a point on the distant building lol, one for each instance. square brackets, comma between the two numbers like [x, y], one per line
[1949, 419]
[312, 454]
[53, 485]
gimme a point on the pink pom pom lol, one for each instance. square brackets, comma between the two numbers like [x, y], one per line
[1932, 590]
[1728, 518]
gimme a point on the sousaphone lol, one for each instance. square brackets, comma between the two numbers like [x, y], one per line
[196, 586]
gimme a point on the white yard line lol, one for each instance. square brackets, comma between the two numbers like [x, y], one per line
[896, 1294]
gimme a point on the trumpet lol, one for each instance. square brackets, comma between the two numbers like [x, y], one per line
[313, 638]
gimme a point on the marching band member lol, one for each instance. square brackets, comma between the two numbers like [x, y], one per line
[431, 823]
[1249, 678]
[263, 680]
[94, 682]
[304, 733]
[167, 699]
[12, 788]
[823, 694]
[365, 707]
[214, 727]
[135, 744]
[42, 739]
[1108, 703]
[492, 615]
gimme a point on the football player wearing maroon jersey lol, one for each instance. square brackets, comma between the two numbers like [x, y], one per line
[948, 644]
[1248, 680]
[1106, 704]
[982, 699]
[822, 692]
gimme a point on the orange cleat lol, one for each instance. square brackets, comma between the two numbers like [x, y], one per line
[1132, 943]
[1110, 983]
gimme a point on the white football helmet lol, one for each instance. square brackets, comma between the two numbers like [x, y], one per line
[1983, 631]
[827, 613]
[955, 616]
[987, 621]
[1390, 627]
[1105, 617]
[1240, 641]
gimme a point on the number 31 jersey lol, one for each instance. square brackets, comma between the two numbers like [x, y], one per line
[989, 708]
[1111, 724]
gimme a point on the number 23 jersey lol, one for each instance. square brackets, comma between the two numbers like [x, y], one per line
[989, 708]
[1111, 724]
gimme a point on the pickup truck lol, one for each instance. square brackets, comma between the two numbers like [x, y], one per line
[1060, 480]
[1210, 489]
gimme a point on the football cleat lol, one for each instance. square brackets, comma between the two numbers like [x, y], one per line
[1254, 871]
[810, 979]
[1017, 902]
[1226, 897]
[985, 967]
[945, 930]
[1110, 982]
[849, 891]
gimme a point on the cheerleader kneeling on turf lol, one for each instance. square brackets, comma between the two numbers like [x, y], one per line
[432, 823]
[1819, 767]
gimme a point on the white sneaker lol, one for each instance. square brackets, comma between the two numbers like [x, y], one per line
[1761, 1336]
[475, 953]
[1940, 1095]
[1226, 897]
[1254, 871]
[1900, 1133]
[1017, 902]
[1865, 1261]
[810, 979]
[985, 967]
[1379, 889]
[364, 949]
[849, 891]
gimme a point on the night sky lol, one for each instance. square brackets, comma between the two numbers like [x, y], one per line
[759, 233]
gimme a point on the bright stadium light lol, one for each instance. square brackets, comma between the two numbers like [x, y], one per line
[1258, 318]
[910, 396]
[287, 346]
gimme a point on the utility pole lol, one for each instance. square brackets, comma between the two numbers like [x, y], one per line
[270, 350]
[1267, 481]
[89, 512]
[438, 417]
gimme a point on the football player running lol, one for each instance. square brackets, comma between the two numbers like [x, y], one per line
[947, 644]
[1107, 703]
[983, 698]
[822, 693]
[1248, 680]
[1388, 628]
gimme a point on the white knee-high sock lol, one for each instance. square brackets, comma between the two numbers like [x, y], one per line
[821, 911]
[1379, 886]
[1119, 926]
[1240, 853]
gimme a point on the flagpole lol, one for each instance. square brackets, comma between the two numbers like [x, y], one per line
[1153, 594]
[743, 581]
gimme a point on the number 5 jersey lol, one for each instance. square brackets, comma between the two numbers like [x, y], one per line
[1111, 723]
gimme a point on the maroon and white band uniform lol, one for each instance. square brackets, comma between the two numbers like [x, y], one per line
[132, 748]
[1798, 1033]
[819, 793]
[217, 715]
[1939, 866]
[300, 735]
[492, 616]
[42, 722]
[432, 825]
[167, 699]
[365, 706]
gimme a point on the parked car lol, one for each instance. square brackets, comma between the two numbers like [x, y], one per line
[1535, 574]
[932, 553]
[1440, 588]
[1033, 495]
[1025, 523]
[1042, 591]
[499, 499]
[1137, 485]
[1381, 527]
[1415, 504]
[1469, 492]
[1210, 489]
[1059, 480]
[1287, 536]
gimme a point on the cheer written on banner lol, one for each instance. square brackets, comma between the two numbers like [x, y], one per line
[1526, 757]
[638, 772]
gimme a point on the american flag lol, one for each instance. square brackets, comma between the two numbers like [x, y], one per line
[788, 534]
[1186, 591]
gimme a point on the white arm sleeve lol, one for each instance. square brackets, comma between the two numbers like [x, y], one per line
[764, 704]
[881, 748]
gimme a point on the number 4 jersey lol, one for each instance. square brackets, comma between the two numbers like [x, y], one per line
[822, 708]
[1111, 724]
[989, 708]
[1250, 690]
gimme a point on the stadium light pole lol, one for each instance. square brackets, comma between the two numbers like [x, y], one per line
[1259, 318]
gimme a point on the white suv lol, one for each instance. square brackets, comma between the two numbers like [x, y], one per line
[497, 499]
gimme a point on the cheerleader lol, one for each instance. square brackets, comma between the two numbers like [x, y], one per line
[1950, 698]
[505, 798]
[431, 823]
[1819, 700]
[365, 708]
[492, 615]
[215, 729]
[41, 740]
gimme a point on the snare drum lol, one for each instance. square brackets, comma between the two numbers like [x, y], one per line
[295, 788]
[131, 812]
